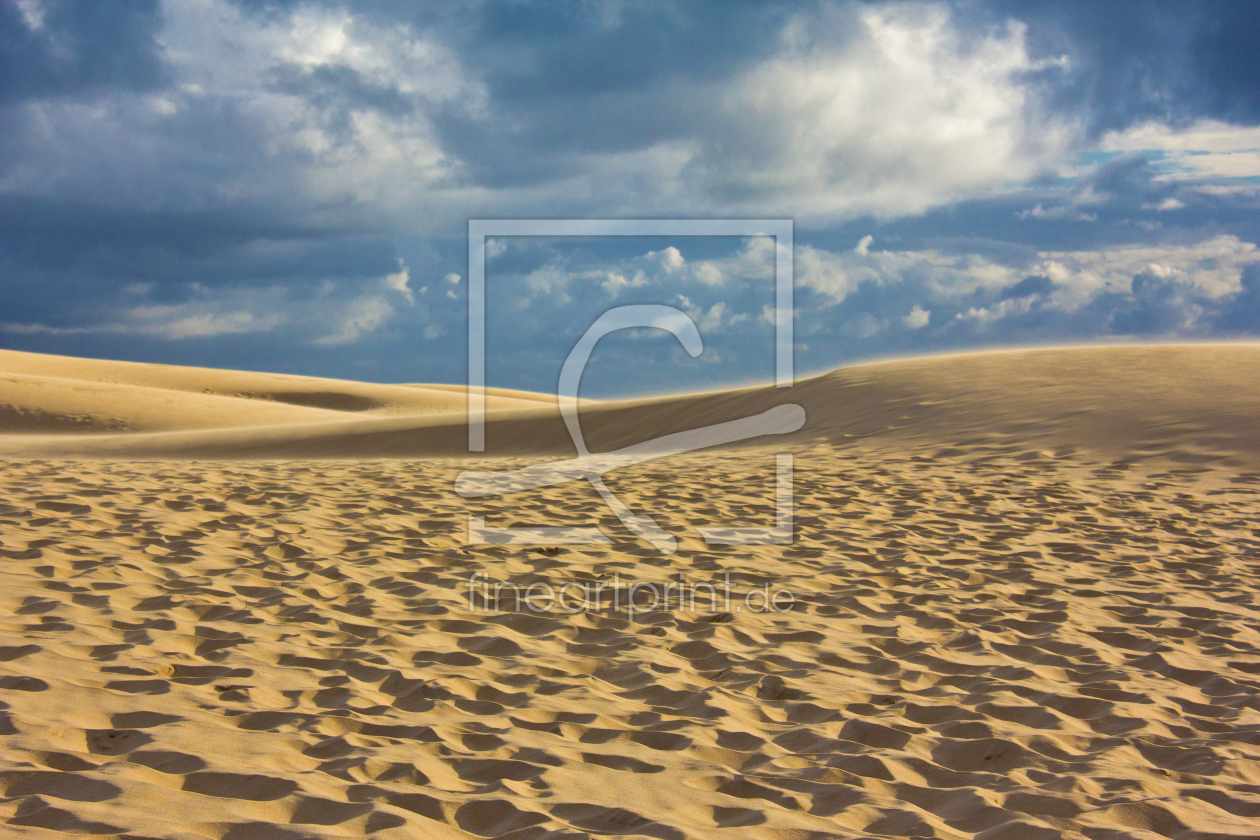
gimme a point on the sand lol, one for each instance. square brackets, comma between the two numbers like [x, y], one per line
[1022, 606]
[42, 394]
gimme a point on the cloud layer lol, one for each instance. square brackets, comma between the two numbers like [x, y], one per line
[288, 183]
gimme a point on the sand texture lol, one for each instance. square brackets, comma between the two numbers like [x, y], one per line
[1024, 606]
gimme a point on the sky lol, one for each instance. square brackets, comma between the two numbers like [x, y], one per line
[286, 186]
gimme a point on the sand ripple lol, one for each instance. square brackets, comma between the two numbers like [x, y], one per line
[1019, 645]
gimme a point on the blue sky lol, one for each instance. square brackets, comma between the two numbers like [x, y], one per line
[286, 186]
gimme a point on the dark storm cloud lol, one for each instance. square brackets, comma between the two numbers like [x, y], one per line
[1241, 314]
[337, 92]
[61, 48]
[571, 80]
[45, 239]
[1034, 284]
[1132, 61]
[1159, 306]
[591, 49]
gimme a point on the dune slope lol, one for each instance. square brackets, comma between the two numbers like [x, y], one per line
[50, 394]
[1186, 402]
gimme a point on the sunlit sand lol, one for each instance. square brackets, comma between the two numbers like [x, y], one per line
[237, 605]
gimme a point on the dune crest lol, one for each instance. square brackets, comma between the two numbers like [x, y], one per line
[1195, 403]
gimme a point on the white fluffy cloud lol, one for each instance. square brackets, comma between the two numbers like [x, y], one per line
[836, 275]
[1211, 268]
[358, 317]
[398, 282]
[984, 315]
[904, 116]
[753, 261]
[918, 318]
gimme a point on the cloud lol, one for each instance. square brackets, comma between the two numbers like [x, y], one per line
[904, 115]
[710, 320]
[172, 322]
[1241, 314]
[299, 112]
[1207, 149]
[550, 280]
[849, 299]
[1060, 213]
[614, 282]
[862, 326]
[56, 48]
[1114, 189]
[346, 114]
[753, 262]
[1161, 303]
[559, 279]
[836, 275]
[1175, 63]
[1212, 267]
[236, 315]
[917, 319]
[330, 315]
[360, 316]
[348, 117]
[263, 180]
[32, 12]
[398, 282]
[671, 259]
[1036, 284]
[984, 315]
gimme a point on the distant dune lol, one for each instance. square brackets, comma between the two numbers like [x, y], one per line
[1194, 403]
[42, 394]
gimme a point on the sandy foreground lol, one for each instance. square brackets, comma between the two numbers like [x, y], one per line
[1021, 603]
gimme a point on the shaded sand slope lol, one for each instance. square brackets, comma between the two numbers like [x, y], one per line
[1195, 403]
[52, 394]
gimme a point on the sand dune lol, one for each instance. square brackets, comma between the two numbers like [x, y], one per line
[40, 394]
[1186, 402]
[1023, 606]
